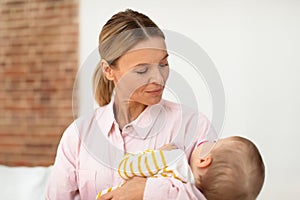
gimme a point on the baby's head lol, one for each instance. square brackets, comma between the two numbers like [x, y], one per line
[232, 169]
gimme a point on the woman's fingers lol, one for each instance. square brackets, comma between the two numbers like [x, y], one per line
[170, 146]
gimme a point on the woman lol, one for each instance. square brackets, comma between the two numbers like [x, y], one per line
[132, 116]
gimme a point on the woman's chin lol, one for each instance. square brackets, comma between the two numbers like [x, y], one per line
[153, 101]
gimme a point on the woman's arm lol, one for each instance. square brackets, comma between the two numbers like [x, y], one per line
[62, 183]
[131, 190]
[139, 188]
[197, 130]
[171, 189]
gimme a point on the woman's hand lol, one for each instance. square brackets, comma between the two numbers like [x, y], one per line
[168, 147]
[131, 190]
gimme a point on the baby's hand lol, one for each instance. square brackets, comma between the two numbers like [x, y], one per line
[168, 147]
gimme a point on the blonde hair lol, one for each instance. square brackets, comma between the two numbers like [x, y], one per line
[236, 173]
[119, 34]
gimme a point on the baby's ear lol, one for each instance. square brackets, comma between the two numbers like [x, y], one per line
[204, 162]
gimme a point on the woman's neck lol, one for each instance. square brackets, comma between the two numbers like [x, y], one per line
[126, 111]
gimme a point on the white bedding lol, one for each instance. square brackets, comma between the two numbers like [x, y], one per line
[23, 182]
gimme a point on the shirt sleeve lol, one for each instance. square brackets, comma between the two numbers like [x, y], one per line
[62, 183]
[197, 129]
[170, 189]
[207, 132]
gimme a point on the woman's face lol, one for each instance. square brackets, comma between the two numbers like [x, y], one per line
[140, 74]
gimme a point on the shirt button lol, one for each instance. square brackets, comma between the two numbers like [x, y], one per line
[128, 128]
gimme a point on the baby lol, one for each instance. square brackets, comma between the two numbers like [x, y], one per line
[230, 169]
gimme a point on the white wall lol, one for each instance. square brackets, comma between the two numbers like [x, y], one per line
[255, 46]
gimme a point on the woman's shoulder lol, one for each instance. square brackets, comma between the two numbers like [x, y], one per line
[83, 125]
[91, 115]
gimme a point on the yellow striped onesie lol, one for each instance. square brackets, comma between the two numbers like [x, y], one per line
[154, 163]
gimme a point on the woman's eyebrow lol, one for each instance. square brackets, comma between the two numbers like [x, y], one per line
[142, 65]
[166, 56]
[147, 64]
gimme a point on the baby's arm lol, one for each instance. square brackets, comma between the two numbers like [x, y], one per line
[149, 162]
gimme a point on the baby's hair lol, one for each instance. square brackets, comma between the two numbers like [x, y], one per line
[236, 173]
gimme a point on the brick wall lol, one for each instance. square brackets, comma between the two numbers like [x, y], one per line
[38, 65]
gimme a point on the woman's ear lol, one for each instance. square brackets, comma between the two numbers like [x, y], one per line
[204, 162]
[107, 70]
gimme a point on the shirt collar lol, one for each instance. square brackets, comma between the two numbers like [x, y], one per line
[146, 121]
[142, 124]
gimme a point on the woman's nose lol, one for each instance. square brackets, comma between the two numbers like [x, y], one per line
[157, 75]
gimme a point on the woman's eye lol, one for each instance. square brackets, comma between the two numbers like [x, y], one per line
[164, 65]
[142, 71]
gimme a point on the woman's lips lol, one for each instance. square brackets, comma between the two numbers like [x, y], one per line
[155, 91]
